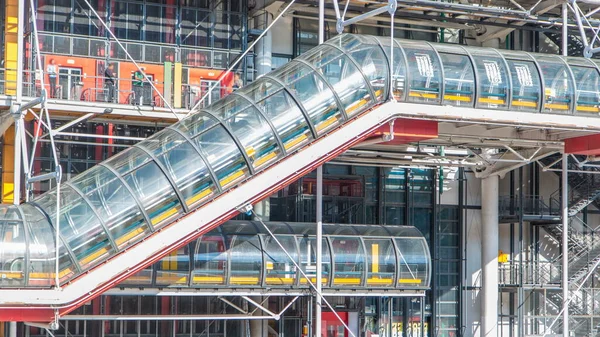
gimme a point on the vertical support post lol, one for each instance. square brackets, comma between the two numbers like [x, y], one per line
[17, 159]
[319, 283]
[565, 29]
[565, 242]
[15, 109]
[489, 256]
[12, 329]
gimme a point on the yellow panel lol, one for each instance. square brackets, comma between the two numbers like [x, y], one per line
[231, 178]
[279, 280]
[8, 158]
[457, 98]
[164, 216]
[409, 280]
[97, 254]
[208, 279]
[557, 106]
[205, 192]
[346, 281]
[375, 258]
[295, 141]
[246, 280]
[588, 108]
[326, 123]
[10, 46]
[129, 236]
[491, 100]
[177, 75]
[422, 95]
[379, 281]
[525, 104]
[313, 280]
[262, 160]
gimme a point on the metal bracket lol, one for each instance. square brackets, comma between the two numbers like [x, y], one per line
[246, 209]
[391, 7]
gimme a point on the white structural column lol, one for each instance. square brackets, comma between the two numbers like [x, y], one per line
[264, 46]
[319, 243]
[489, 256]
[260, 327]
[565, 242]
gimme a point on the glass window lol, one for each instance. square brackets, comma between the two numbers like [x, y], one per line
[399, 76]
[559, 86]
[223, 155]
[127, 20]
[381, 258]
[413, 262]
[588, 89]
[184, 165]
[13, 248]
[425, 76]
[245, 260]
[80, 228]
[347, 81]
[308, 259]
[210, 261]
[316, 97]
[288, 120]
[114, 203]
[174, 268]
[279, 269]
[492, 76]
[155, 193]
[526, 85]
[349, 259]
[459, 79]
[195, 27]
[255, 135]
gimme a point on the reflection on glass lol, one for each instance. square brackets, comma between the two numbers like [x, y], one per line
[381, 259]
[156, 194]
[114, 203]
[316, 97]
[526, 85]
[255, 135]
[210, 261]
[174, 268]
[349, 259]
[424, 72]
[493, 79]
[13, 248]
[245, 260]
[588, 89]
[374, 65]
[308, 259]
[280, 270]
[413, 262]
[459, 77]
[223, 155]
[176, 154]
[558, 85]
[287, 118]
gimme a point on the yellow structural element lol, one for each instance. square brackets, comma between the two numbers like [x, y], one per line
[8, 158]
[10, 46]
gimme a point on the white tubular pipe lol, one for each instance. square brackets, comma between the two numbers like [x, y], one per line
[565, 243]
[319, 283]
[489, 256]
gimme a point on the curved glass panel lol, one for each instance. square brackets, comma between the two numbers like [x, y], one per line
[42, 251]
[492, 76]
[259, 89]
[413, 262]
[114, 203]
[381, 262]
[149, 185]
[175, 154]
[13, 248]
[255, 135]
[67, 267]
[347, 81]
[369, 57]
[558, 84]
[280, 270]
[195, 124]
[399, 65]
[79, 226]
[245, 260]
[349, 261]
[210, 261]
[308, 259]
[287, 118]
[459, 79]
[526, 85]
[223, 155]
[424, 74]
[588, 89]
[314, 95]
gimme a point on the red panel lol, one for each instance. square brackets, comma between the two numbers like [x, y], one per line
[586, 145]
[407, 131]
